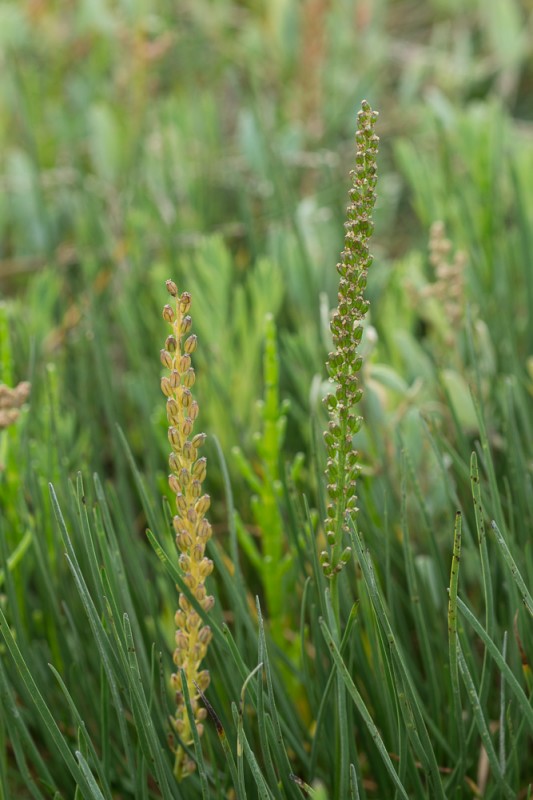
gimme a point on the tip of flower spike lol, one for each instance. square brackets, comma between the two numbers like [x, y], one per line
[172, 289]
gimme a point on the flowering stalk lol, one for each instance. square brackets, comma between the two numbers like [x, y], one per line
[192, 529]
[344, 363]
[10, 402]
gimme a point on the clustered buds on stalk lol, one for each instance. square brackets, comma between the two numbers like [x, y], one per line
[192, 529]
[10, 402]
[344, 363]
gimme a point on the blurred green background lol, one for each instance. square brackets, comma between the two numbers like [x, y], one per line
[210, 142]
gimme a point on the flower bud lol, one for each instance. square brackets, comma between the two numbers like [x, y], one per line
[202, 505]
[193, 410]
[172, 289]
[171, 344]
[181, 503]
[184, 604]
[174, 436]
[186, 324]
[185, 302]
[199, 469]
[166, 388]
[193, 619]
[196, 488]
[175, 681]
[205, 568]
[179, 726]
[204, 530]
[180, 618]
[185, 363]
[189, 377]
[174, 484]
[185, 562]
[198, 440]
[166, 359]
[208, 603]
[186, 398]
[169, 315]
[200, 592]
[197, 553]
[186, 426]
[190, 581]
[203, 680]
[190, 343]
[172, 410]
[183, 540]
[175, 379]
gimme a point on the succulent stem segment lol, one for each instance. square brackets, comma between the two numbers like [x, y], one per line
[192, 529]
[344, 362]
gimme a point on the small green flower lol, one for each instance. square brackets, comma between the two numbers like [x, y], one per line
[193, 531]
[344, 363]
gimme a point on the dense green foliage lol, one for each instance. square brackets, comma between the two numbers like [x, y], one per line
[210, 142]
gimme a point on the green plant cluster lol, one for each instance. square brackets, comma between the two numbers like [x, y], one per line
[211, 143]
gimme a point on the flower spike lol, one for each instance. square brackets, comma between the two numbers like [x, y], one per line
[344, 362]
[191, 527]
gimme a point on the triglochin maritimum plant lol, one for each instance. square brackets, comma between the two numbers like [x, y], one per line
[344, 362]
[193, 531]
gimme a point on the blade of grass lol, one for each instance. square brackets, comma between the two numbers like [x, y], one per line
[427, 753]
[527, 599]
[107, 652]
[83, 729]
[361, 707]
[325, 695]
[485, 569]
[483, 727]
[96, 793]
[43, 710]
[453, 642]
[506, 672]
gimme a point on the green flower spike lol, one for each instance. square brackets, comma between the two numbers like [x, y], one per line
[344, 362]
[192, 529]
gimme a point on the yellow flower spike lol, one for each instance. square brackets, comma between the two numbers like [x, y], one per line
[192, 529]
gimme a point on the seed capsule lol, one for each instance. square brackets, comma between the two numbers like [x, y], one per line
[185, 302]
[174, 484]
[169, 314]
[166, 359]
[166, 388]
[174, 436]
[185, 363]
[186, 325]
[202, 505]
[199, 469]
[189, 377]
[190, 344]
[196, 488]
[171, 344]
[198, 440]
